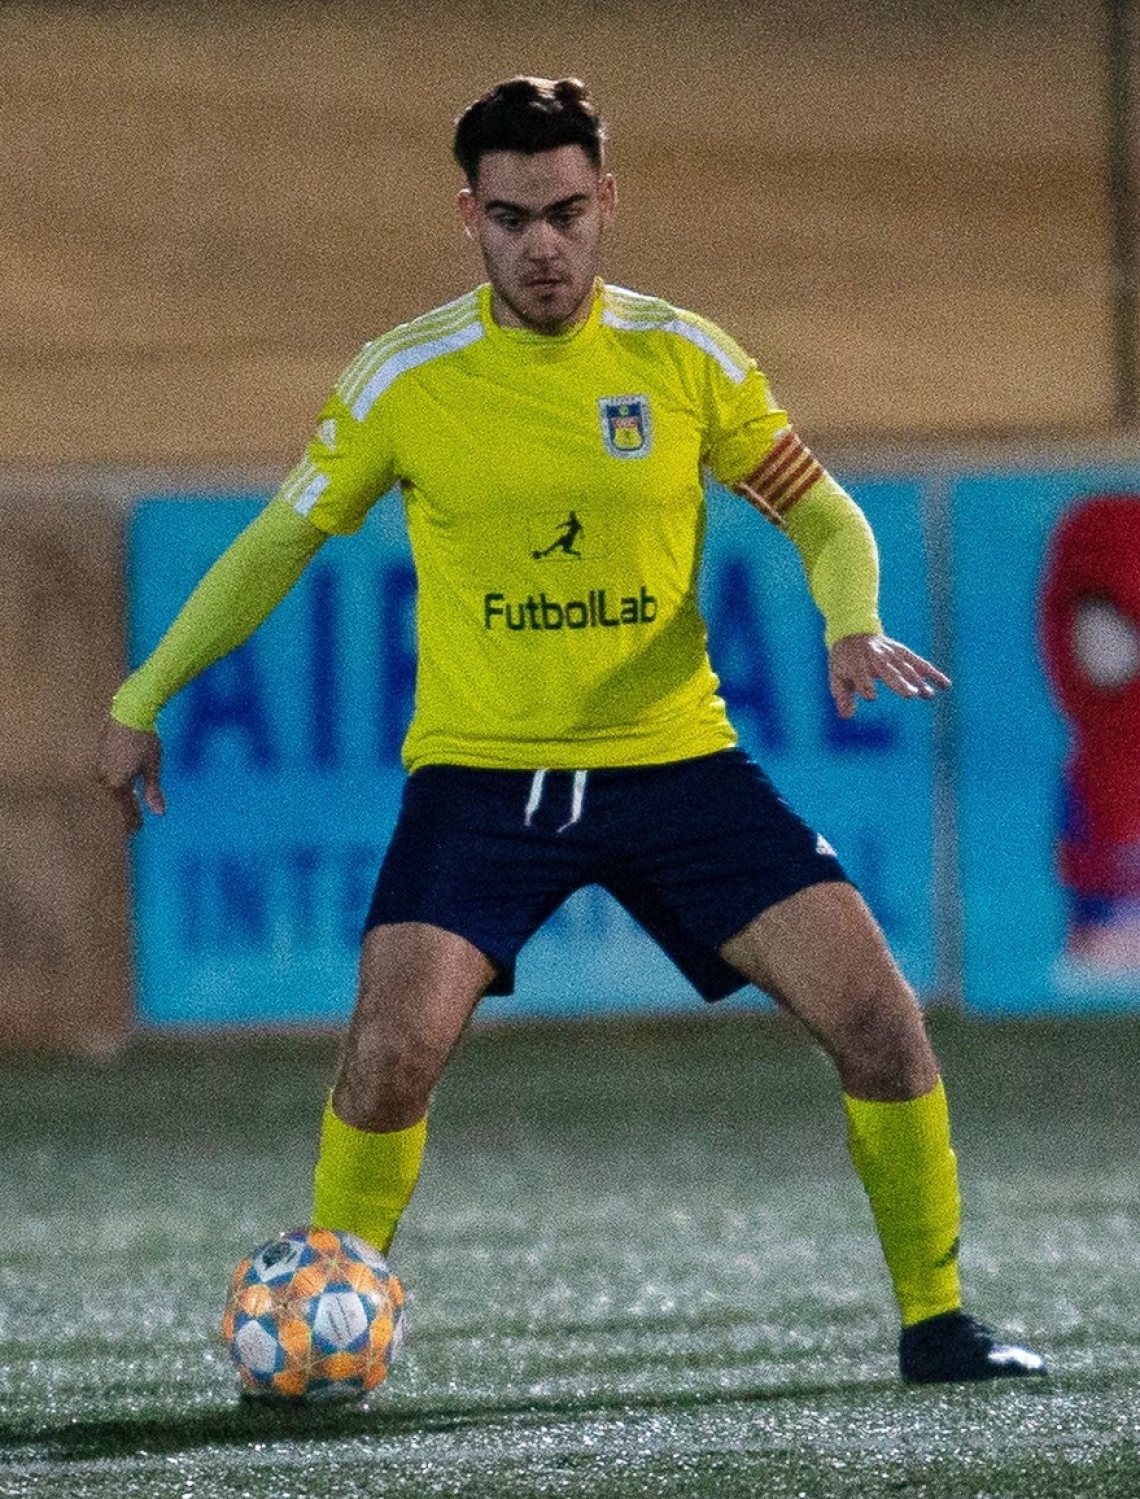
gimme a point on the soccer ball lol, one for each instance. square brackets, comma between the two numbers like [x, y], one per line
[313, 1315]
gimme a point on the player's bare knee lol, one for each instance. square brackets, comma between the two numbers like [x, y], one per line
[881, 1048]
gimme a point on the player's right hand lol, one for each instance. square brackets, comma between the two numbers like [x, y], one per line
[127, 756]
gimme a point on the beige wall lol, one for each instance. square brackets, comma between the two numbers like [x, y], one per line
[204, 210]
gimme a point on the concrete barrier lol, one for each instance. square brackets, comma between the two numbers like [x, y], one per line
[65, 973]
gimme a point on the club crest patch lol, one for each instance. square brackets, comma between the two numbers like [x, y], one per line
[626, 428]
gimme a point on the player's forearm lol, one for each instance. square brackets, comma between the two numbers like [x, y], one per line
[242, 588]
[840, 559]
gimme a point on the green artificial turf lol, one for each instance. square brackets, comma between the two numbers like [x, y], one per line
[638, 1263]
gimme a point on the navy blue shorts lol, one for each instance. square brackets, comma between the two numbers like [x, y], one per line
[693, 851]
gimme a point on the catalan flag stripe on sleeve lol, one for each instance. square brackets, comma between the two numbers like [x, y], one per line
[787, 474]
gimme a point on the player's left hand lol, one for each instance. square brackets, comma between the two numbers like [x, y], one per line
[857, 662]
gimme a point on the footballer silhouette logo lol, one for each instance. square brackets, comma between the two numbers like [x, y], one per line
[565, 543]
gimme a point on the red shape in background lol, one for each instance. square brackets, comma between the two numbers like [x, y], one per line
[1094, 554]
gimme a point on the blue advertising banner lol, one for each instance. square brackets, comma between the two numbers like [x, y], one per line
[282, 769]
[1047, 633]
[282, 776]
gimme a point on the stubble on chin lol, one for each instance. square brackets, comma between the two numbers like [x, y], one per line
[548, 315]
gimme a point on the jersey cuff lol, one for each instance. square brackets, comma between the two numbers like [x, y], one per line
[133, 710]
[862, 624]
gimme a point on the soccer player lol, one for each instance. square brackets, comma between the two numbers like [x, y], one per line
[549, 434]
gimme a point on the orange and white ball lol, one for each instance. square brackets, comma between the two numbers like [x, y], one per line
[314, 1314]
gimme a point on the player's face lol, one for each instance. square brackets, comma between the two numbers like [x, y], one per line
[539, 221]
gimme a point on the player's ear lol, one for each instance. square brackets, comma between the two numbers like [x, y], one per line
[468, 209]
[607, 194]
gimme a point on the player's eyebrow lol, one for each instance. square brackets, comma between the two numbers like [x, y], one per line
[504, 205]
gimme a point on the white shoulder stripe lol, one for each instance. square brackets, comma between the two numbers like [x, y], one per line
[304, 487]
[406, 359]
[432, 325]
[311, 493]
[693, 332]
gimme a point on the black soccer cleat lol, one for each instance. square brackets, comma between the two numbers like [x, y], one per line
[955, 1346]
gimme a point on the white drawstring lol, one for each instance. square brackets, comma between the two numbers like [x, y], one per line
[535, 795]
[577, 798]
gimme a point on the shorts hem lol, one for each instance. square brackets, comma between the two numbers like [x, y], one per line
[503, 983]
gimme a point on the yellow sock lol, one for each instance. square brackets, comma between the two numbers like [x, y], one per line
[364, 1180]
[903, 1156]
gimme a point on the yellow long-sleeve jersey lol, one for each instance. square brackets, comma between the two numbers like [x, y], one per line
[554, 491]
